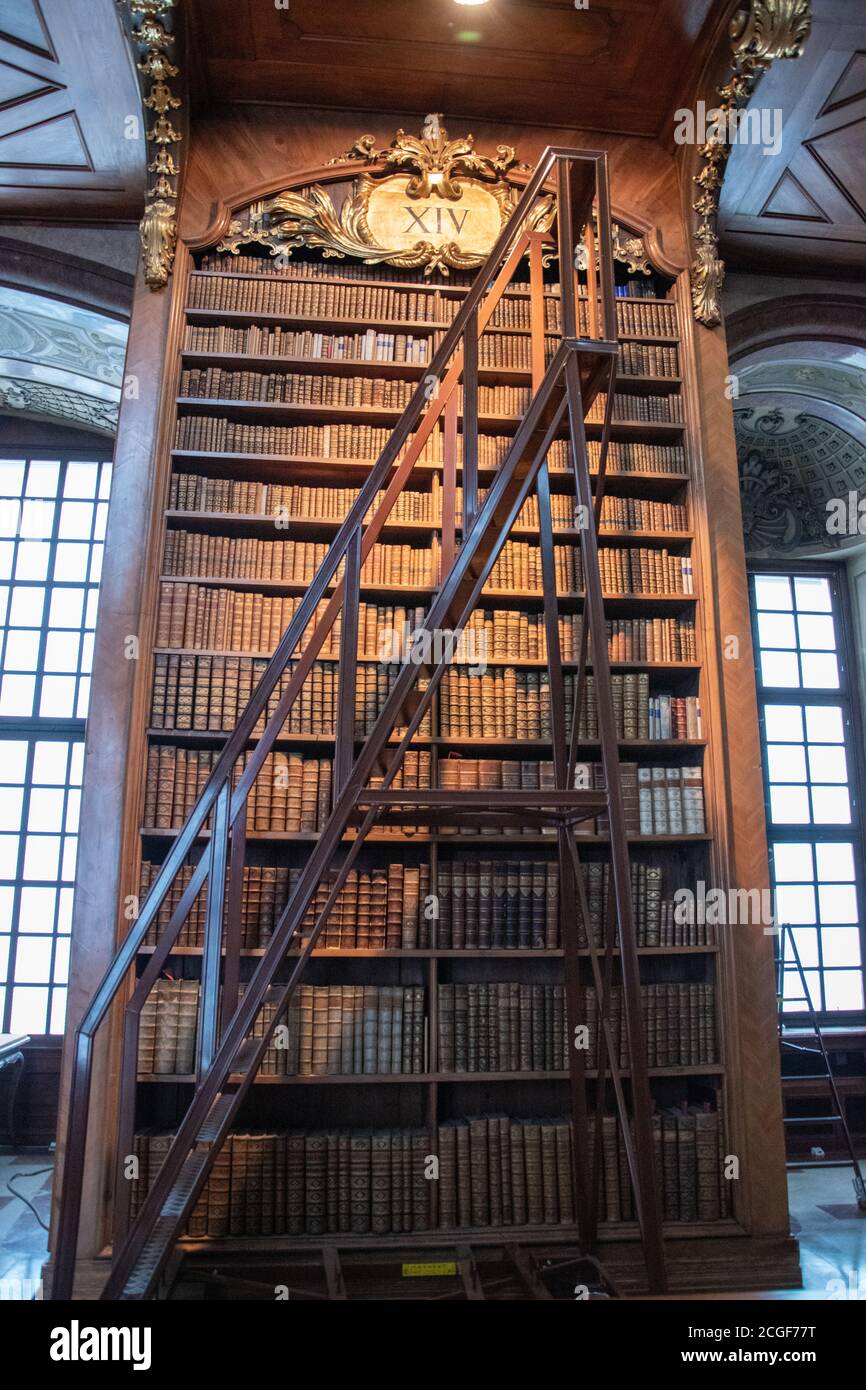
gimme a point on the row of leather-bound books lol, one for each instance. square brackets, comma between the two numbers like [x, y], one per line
[495, 350]
[348, 1030]
[392, 393]
[294, 562]
[624, 570]
[197, 617]
[211, 692]
[679, 1025]
[319, 299]
[479, 904]
[660, 410]
[379, 909]
[659, 920]
[648, 359]
[513, 904]
[364, 443]
[290, 795]
[482, 1171]
[507, 703]
[371, 345]
[190, 492]
[482, 1027]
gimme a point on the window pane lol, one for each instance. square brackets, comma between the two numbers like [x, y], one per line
[789, 805]
[29, 1010]
[783, 723]
[773, 591]
[837, 902]
[780, 669]
[795, 903]
[835, 862]
[786, 762]
[820, 670]
[843, 990]
[792, 863]
[816, 632]
[776, 630]
[813, 594]
[831, 805]
[827, 763]
[33, 960]
[824, 724]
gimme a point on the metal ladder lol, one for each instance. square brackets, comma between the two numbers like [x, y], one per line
[838, 1117]
[366, 795]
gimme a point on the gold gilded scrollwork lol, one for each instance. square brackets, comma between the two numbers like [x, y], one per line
[429, 167]
[767, 30]
[446, 178]
[158, 228]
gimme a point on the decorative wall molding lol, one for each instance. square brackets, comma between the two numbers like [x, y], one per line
[765, 31]
[35, 399]
[158, 226]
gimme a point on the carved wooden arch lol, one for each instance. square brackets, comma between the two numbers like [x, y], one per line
[632, 224]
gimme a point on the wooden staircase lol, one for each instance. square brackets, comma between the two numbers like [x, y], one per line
[229, 1053]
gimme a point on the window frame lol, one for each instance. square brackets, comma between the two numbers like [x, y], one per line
[37, 728]
[848, 696]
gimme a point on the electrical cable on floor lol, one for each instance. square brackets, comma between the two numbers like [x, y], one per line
[20, 1195]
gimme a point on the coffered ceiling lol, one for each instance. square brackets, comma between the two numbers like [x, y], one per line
[614, 65]
[804, 207]
[67, 89]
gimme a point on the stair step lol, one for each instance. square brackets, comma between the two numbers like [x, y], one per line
[184, 1183]
[219, 1111]
[149, 1261]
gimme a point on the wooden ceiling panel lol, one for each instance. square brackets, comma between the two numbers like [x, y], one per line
[63, 147]
[614, 66]
[804, 207]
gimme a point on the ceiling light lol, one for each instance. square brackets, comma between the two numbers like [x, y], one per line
[470, 2]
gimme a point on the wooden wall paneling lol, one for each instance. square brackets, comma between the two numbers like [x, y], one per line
[111, 792]
[734, 769]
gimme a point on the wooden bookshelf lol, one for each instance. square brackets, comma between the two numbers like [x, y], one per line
[423, 1101]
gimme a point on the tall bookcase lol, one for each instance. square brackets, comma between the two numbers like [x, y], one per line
[459, 929]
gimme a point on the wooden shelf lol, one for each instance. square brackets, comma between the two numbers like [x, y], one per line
[428, 286]
[488, 423]
[449, 1238]
[466, 1078]
[538, 663]
[446, 741]
[266, 524]
[283, 468]
[508, 598]
[308, 837]
[401, 371]
[473, 953]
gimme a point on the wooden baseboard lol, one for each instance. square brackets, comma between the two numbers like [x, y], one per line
[742, 1263]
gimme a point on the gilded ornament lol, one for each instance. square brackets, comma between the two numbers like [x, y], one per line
[161, 99]
[158, 232]
[767, 30]
[158, 228]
